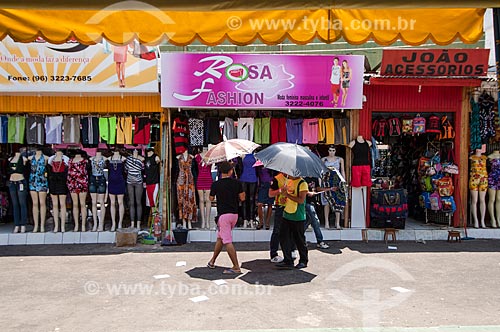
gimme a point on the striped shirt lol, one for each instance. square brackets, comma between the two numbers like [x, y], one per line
[134, 167]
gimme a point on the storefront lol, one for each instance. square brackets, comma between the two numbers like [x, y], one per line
[75, 98]
[262, 98]
[418, 111]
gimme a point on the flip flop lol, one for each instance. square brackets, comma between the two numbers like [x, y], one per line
[231, 271]
[210, 265]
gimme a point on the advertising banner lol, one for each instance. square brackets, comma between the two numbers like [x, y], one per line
[262, 81]
[435, 62]
[73, 67]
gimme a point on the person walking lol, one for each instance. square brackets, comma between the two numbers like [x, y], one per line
[292, 225]
[311, 215]
[229, 192]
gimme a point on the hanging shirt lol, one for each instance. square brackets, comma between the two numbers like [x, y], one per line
[142, 134]
[4, 124]
[361, 153]
[262, 128]
[90, 130]
[181, 135]
[341, 132]
[35, 130]
[16, 129]
[53, 129]
[229, 128]
[245, 128]
[294, 131]
[212, 131]
[195, 132]
[107, 129]
[71, 129]
[310, 131]
[278, 130]
[124, 130]
[155, 130]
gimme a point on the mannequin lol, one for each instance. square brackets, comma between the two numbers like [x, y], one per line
[116, 188]
[38, 186]
[134, 166]
[494, 188]
[186, 190]
[97, 189]
[203, 184]
[249, 179]
[333, 162]
[78, 187]
[152, 172]
[58, 173]
[18, 188]
[478, 184]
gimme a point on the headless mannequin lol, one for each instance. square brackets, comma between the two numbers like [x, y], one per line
[135, 195]
[359, 139]
[330, 159]
[19, 177]
[59, 200]
[493, 192]
[98, 198]
[205, 205]
[79, 204]
[184, 157]
[476, 194]
[114, 198]
[39, 198]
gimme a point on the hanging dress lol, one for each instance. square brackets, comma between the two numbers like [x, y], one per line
[186, 190]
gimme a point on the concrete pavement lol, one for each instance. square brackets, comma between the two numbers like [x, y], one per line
[414, 286]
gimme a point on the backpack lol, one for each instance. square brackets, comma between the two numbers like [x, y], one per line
[407, 125]
[448, 204]
[433, 125]
[394, 127]
[424, 200]
[445, 186]
[447, 131]
[418, 125]
[435, 201]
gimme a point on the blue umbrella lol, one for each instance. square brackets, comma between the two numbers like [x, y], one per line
[291, 159]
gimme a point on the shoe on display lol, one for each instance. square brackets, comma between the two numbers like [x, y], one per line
[276, 259]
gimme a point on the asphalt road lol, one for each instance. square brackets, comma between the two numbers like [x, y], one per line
[352, 286]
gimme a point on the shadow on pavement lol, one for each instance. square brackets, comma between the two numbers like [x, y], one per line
[263, 272]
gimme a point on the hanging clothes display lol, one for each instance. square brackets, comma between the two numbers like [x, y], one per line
[278, 130]
[180, 129]
[90, 130]
[245, 128]
[107, 129]
[229, 128]
[310, 131]
[262, 127]
[475, 130]
[186, 190]
[142, 133]
[124, 130]
[342, 132]
[53, 129]
[71, 129]
[212, 131]
[35, 130]
[155, 130]
[195, 132]
[4, 123]
[16, 129]
[294, 131]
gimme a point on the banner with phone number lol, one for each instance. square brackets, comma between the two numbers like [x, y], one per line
[262, 81]
[73, 67]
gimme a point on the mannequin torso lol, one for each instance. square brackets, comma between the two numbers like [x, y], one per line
[16, 167]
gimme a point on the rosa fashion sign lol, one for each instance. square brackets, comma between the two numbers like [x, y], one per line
[261, 81]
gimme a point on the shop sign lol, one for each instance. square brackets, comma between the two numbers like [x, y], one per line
[435, 62]
[261, 81]
[72, 67]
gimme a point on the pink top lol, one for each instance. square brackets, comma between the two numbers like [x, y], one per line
[310, 131]
[204, 180]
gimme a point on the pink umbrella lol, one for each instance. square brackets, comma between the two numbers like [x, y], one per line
[228, 150]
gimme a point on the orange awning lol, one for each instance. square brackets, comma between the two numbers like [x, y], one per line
[152, 25]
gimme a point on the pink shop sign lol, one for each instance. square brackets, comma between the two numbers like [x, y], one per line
[261, 81]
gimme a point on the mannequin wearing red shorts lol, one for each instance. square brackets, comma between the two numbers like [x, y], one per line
[361, 168]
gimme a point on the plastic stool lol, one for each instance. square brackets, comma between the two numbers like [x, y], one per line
[454, 235]
[391, 232]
